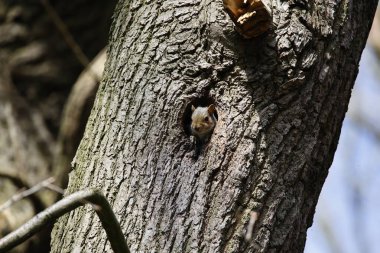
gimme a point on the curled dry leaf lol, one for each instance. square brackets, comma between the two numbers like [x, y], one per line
[251, 17]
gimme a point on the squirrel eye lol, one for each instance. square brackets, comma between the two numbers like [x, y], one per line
[206, 119]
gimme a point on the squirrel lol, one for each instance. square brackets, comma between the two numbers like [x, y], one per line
[203, 122]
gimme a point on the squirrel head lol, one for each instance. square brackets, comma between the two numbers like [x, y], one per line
[203, 121]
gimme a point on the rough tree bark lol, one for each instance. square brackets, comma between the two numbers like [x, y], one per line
[281, 99]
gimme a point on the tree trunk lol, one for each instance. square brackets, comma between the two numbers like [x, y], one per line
[281, 99]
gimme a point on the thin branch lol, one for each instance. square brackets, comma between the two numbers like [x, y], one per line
[71, 202]
[21, 183]
[26, 193]
[62, 28]
[55, 188]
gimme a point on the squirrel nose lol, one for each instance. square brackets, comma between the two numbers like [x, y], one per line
[197, 128]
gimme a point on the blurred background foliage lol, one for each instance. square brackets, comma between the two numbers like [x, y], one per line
[51, 60]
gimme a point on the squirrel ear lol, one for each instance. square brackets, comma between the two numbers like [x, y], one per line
[192, 108]
[211, 109]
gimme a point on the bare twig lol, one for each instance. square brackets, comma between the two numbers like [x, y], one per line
[21, 183]
[95, 197]
[62, 28]
[55, 188]
[26, 193]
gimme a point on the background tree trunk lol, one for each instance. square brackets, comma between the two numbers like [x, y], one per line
[281, 100]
